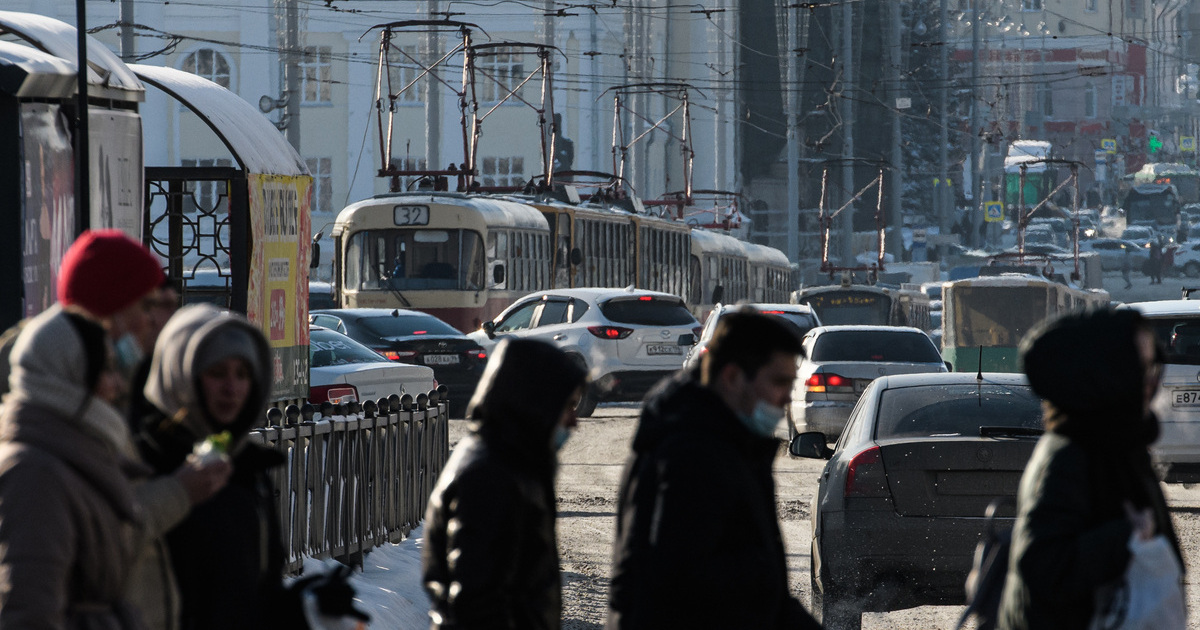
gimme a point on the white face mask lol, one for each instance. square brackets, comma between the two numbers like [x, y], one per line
[764, 419]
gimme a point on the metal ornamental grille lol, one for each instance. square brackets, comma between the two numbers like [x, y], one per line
[194, 216]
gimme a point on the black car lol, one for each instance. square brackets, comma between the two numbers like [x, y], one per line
[414, 337]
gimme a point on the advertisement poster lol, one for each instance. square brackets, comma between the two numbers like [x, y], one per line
[277, 292]
[48, 208]
[115, 147]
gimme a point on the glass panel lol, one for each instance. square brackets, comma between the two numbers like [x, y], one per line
[955, 410]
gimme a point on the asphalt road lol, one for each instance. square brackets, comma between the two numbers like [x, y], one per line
[587, 486]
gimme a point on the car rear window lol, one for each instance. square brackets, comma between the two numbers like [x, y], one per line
[326, 348]
[875, 346]
[652, 312]
[956, 410]
[406, 326]
[1180, 338]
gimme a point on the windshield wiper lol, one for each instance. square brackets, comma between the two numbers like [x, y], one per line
[1026, 432]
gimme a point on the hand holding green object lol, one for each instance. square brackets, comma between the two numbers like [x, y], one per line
[214, 447]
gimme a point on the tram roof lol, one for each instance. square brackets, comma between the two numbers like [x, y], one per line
[1005, 280]
[763, 253]
[109, 75]
[495, 212]
[718, 243]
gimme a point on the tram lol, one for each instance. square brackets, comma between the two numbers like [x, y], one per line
[985, 318]
[867, 305]
[462, 258]
[726, 270]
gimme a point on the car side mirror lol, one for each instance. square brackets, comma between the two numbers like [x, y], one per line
[687, 339]
[949, 366]
[576, 257]
[315, 254]
[489, 329]
[718, 294]
[810, 444]
[498, 274]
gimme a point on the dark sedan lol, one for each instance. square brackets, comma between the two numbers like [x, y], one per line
[901, 503]
[414, 337]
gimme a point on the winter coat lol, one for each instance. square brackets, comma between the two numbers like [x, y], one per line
[69, 520]
[491, 553]
[227, 555]
[698, 542]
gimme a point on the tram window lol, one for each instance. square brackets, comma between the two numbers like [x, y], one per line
[694, 288]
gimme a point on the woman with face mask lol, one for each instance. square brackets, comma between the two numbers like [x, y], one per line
[491, 553]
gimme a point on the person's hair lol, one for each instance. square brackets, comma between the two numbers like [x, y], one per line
[747, 339]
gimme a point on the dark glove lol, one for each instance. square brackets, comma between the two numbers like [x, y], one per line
[335, 596]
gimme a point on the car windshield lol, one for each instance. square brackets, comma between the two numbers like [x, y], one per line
[956, 410]
[406, 326]
[875, 346]
[326, 348]
[647, 311]
[1180, 338]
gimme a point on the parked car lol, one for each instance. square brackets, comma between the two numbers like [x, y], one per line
[1187, 259]
[627, 339]
[417, 338]
[342, 370]
[901, 503]
[799, 317]
[1176, 323]
[840, 361]
[1112, 252]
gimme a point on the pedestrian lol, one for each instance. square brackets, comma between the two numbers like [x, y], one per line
[697, 541]
[210, 378]
[1155, 263]
[163, 304]
[491, 552]
[1126, 266]
[1089, 485]
[69, 519]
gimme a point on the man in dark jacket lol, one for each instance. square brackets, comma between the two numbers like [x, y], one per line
[698, 542]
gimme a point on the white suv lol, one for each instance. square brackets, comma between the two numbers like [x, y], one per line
[627, 339]
[1177, 325]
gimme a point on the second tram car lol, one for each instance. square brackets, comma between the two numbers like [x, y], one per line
[867, 305]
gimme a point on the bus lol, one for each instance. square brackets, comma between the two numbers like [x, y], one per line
[462, 258]
[985, 318]
[1158, 204]
[1039, 179]
[860, 304]
[1184, 178]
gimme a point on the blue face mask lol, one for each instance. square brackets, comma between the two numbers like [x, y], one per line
[561, 434]
[128, 352]
[764, 419]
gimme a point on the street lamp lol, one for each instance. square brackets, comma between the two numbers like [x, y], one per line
[266, 105]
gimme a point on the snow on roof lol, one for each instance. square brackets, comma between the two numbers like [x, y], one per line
[763, 254]
[1159, 168]
[1023, 151]
[1167, 308]
[38, 74]
[495, 212]
[1003, 280]
[58, 38]
[252, 139]
[717, 243]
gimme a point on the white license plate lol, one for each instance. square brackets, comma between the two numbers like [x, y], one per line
[441, 359]
[1185, 398]
[662, 348]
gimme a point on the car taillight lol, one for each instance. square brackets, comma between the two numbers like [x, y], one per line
[397, 355]
[610, 332]
[829, 383]
[478, 353]
[336, 394]
[865, 476]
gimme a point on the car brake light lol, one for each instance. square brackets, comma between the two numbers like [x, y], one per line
[610, 332]
[645, 298]
[397, 355]
[772, 312]
[865, 476]
[478, 353]
[827, 382]
[336, 394]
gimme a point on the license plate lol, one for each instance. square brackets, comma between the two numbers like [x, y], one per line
[1186, 398]
[441, 359]
[662, 348]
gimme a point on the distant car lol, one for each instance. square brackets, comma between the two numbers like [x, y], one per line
[627, 339]
[1143, 235]
[799, 317]
[1112, 252]
[840, 361]
[342, 370]
[1187, 259]
[900, 506]
[417, 338]
[320, 295]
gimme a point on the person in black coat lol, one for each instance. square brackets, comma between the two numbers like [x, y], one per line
[698, 542]
[491, 552]
[1089, 485]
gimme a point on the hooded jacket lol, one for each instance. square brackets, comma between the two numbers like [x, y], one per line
[698, 542]
[1071, 535]
[227, 555]
[69, 519]
[491, 553]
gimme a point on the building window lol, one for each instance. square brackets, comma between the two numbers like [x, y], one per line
[1134, 9]
[405, 70]
[1089, 5]
[316, 71]
[209, 64]
[410, 164]
[206, 195]
[321, 170]
[1044, 99]
[507, 171]
[499, 70]
[1089, 100]
[1031, 5]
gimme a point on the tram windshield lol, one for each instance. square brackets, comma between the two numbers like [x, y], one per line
[415, 260]
[994, 316]
[837, 308]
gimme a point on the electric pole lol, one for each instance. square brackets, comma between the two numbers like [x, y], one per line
[896, 176]
[291, 73]
[973, 157]
[83, 153]
[126, 20]
[943, 194]
[432, 95]
[792, 213]
[847, 113]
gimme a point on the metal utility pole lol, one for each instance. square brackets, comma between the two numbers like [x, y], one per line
[943, 194]
[792, 213]
[83, 203]
[973, 156]
[126, 19]
[896, 181]
[847, 113]
[291, 73]
[431, 96]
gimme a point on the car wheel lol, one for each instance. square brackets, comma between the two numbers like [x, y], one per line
[792, 432]
[1192, 269]
[833, 612]
[587, 403]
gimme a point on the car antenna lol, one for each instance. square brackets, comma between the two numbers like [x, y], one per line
[395, 312]
[979, 379]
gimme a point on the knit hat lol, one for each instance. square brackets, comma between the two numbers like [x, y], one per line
[105, 271]
[95, 347]
[226, 342]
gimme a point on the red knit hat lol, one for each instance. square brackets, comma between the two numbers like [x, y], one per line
[105, 271]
